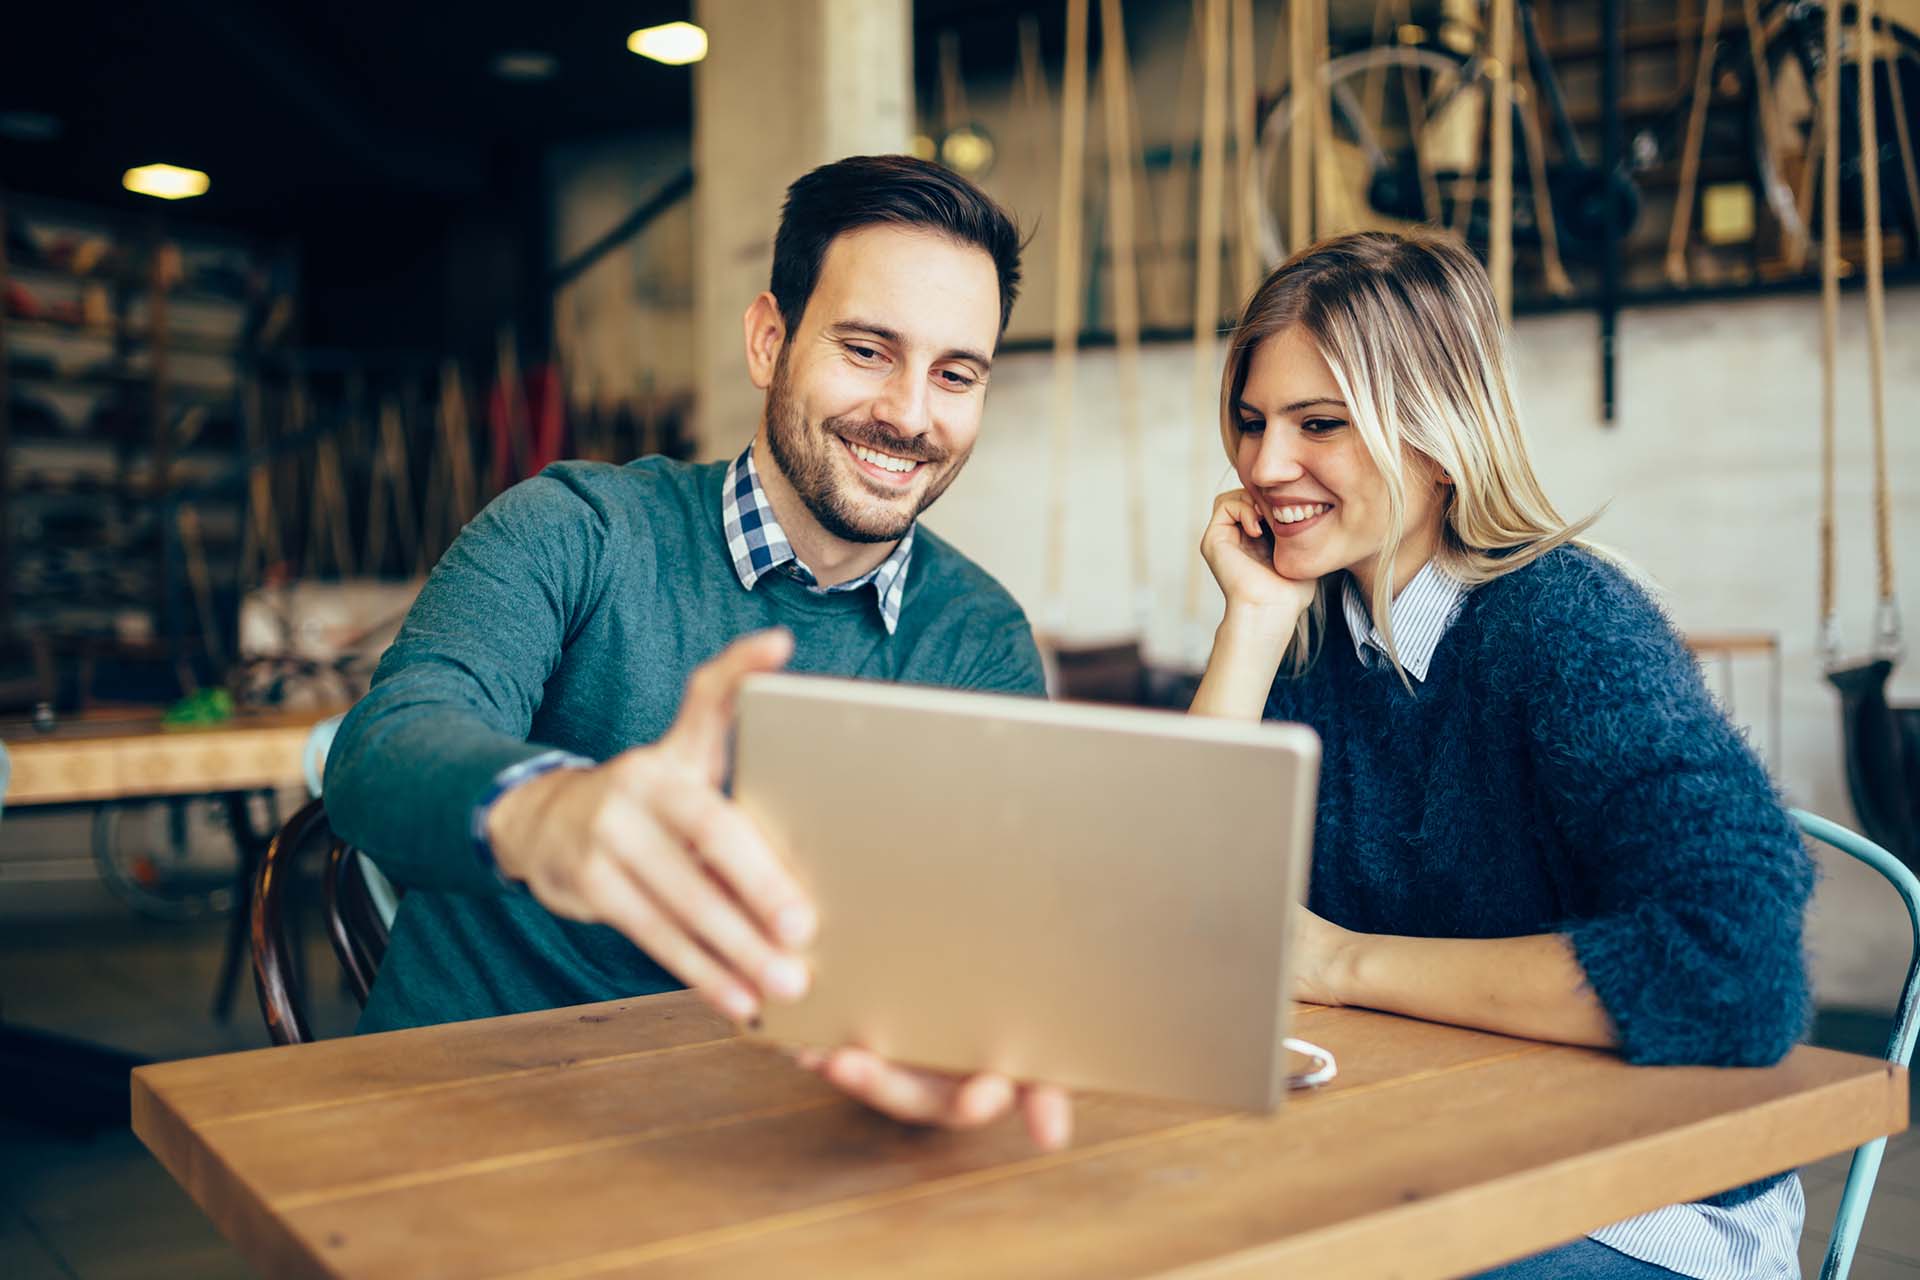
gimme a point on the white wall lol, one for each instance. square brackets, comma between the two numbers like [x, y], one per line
[1711, 484]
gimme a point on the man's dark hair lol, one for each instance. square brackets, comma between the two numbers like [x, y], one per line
[861, 191]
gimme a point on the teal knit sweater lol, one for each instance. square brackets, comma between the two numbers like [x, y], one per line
[569, 615]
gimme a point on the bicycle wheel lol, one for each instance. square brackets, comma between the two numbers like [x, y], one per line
[172, 858]
[1793, 38]
[1420, 163]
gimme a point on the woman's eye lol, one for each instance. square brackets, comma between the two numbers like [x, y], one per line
[1252, 426]
[1321, 426]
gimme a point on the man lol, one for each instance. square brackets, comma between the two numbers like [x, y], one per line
[539, 761]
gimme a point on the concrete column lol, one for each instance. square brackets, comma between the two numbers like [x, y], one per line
[786, 85]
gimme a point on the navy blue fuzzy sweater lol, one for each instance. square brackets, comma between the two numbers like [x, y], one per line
[1563, 769]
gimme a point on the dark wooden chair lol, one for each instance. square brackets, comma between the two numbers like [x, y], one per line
[354, 925]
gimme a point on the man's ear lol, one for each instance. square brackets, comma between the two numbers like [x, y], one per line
[766, 333]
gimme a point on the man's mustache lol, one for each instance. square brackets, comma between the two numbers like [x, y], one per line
[872, 435]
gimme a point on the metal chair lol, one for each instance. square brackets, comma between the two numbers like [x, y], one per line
[356, 927]
[1866, 1160]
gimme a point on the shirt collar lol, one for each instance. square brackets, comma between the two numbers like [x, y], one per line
[759, 545]
[1420, 616]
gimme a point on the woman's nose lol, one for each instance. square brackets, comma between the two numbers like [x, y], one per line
[1278, 459]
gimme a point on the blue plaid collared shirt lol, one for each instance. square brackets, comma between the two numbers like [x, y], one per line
[759, 545]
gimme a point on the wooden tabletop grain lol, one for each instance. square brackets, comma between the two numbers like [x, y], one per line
[126, 755]
[643, 1138]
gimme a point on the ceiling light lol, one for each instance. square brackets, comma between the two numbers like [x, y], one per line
[676, 43]
[967, 150]
[525, 65]
[165, 181]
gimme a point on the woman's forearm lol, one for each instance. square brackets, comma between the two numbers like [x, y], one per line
[1531, 986]
[1247, 649]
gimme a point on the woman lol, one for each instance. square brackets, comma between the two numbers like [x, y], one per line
[1532, 818]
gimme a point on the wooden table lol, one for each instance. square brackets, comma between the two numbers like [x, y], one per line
[125, 755]
[641, 1137]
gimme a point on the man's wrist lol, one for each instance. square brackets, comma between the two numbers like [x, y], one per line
[518, 792]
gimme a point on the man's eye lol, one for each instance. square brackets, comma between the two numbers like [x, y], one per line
[864, 353]
[958, 381]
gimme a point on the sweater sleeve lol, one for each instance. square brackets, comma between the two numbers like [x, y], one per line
[1695, 879]
[453, 699]
[1009, 662]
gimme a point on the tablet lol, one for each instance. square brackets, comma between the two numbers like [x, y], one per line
[1095, 897]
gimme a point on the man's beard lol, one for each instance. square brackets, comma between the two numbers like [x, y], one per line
[804, 455]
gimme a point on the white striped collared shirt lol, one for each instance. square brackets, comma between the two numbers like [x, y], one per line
[1758, 1240]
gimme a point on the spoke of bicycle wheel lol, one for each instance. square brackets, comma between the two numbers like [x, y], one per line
[1899, 104]
[1690, 157]
[1559, 284]
[1416, 103]
[1770, 129]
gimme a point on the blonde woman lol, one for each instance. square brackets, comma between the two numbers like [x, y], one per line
[1532, 818]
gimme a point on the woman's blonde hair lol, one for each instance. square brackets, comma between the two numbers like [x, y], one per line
[1408, 325]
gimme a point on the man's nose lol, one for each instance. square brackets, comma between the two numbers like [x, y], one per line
[904, 405]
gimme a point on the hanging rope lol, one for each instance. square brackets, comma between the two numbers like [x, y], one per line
[1116, 90]
[1829, 329]
[1245, 95]
[953, 93]
[1696, 139]
[1500, 229]
[1303, 91]
[1170, 214]
[1886, 630]
[1066, 300]
[1206, 293]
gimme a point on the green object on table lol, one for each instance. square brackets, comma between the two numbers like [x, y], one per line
[202, 706]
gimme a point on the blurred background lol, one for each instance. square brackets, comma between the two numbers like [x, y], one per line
[291, 291]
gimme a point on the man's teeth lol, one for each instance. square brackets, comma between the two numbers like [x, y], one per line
[884, 460]
[1294, 515]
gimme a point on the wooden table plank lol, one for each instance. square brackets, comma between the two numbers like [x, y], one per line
[128, 756]
[640, 1137]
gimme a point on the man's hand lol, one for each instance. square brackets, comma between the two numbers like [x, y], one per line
[646, 843]
[945, 1101]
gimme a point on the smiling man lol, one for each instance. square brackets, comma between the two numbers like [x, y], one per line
[539, 761]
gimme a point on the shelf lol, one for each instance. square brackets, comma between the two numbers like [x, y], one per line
[184, 342]
[1651, 35]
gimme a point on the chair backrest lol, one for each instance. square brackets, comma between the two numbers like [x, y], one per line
[356, 927]
[1906, 1021]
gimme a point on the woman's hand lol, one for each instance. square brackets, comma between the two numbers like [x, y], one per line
[1239, 551]
[1322, 954]
[1263, 611]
